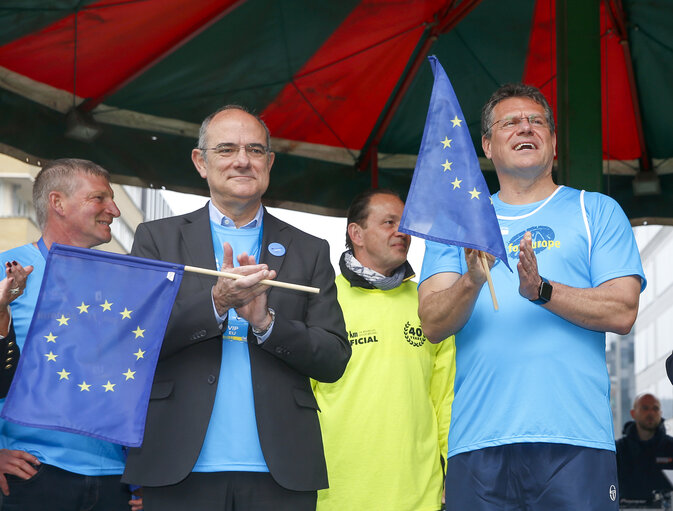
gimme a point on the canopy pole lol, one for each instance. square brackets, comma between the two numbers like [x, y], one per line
[579, 134]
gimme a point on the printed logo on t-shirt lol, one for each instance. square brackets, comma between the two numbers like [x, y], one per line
[613, 493]
[414, 334]
[544, 238]
[362, 337]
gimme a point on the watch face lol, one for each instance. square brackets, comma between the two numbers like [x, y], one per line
[545, 291]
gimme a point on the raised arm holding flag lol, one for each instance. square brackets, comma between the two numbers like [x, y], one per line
[449, 201]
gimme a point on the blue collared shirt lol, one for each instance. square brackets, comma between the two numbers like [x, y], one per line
[221, 219]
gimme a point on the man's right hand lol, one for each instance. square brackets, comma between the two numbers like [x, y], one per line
[475, 268]
[18, 463]
[238, 293]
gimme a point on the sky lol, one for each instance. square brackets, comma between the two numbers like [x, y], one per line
[333, 229]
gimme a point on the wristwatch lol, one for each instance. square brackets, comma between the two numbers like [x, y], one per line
[544, 293]
[260, 333]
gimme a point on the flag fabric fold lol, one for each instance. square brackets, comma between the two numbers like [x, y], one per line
[92, 347]
[449, 201]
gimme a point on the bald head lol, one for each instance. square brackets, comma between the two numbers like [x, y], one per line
[646, 413]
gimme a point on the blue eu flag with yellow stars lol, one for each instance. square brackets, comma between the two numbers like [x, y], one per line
[92, 347]
[448, 200]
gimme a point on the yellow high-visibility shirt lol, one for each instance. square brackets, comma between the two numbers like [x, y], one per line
[385, 422]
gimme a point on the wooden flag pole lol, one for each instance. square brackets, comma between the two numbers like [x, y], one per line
[484, 262]
[266, 282]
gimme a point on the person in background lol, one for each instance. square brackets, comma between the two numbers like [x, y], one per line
[385, 422]
[643, 451]
[46, 469]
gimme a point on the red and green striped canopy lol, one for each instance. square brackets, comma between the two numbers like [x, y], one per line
[343, 85]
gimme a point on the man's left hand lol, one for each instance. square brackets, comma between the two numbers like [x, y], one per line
[256, 311]
[529, 278]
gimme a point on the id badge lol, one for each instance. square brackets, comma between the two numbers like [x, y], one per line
[237, 328]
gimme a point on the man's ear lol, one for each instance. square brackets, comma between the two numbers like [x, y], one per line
[486, 146]
[199, 162]
[56, 202]
[355, 234]
[633, 415]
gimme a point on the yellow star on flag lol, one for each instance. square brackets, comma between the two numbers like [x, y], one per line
[455, 121]
[447, 165]
[50, 357]
[139, 354]
[474, 193]
[62, 320]
[446, 142]
[139, 332]
[106, 306]
[456, 183]
[109, 387]
[84, 386]
[83, 308]
[63, 375]
[51, 337]
[129, 374]
[126, 314]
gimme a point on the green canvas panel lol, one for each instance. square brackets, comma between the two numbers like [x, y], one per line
[245, 58]
[21, 17]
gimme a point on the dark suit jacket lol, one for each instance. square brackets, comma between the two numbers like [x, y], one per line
[308, 340]
[9, 358]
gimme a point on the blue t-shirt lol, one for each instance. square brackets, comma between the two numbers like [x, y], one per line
[75, 453]
[524, 374]
[232, 440]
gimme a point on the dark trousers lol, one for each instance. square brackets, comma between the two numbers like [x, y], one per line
[227, 491]
[54, 489]
[532, 477]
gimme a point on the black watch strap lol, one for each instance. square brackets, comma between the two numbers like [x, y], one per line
[544, 293]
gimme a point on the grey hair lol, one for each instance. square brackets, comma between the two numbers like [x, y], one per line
[203, 130]
[514, 90]
[61, 176]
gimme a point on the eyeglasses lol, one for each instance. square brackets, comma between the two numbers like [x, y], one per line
[511, 123]
[254, 151]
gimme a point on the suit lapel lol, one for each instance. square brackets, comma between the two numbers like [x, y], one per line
[198, 240]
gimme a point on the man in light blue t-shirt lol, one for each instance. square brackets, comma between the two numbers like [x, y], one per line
[531, 424]
[39, 468]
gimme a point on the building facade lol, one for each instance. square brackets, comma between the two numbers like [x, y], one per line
[636, 361]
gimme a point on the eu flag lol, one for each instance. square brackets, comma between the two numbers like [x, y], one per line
[449, 201]
[92, 347]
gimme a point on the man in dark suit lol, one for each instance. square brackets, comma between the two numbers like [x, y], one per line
[232, 422]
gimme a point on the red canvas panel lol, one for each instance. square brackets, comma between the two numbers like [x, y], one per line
[114, 41]
[620, 139]
[331, 100]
